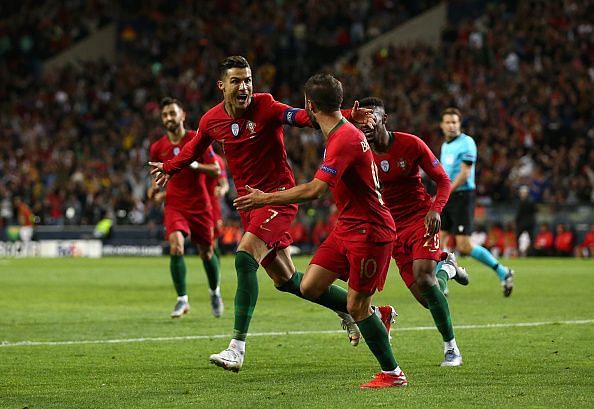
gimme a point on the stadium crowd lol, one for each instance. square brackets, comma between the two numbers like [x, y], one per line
[74, 142]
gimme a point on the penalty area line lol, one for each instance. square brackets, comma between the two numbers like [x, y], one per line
[6, 344]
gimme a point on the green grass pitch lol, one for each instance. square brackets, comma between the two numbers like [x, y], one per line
[81, 333]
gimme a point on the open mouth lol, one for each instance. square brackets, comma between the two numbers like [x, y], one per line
[242, 98]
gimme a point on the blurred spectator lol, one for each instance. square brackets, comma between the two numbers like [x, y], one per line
[230, 237]
[24, 218]
[510, 241]
[496, 240]
[563, 241]
[74, 142]
[299, 235]
[543, 242]
[586, 248]
[525, 213]
[104, 228]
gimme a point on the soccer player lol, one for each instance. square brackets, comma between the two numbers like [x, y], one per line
[359, 247]
[217, 186]
[188, 210]
[458, 156]
[249, 128]
[399, 157]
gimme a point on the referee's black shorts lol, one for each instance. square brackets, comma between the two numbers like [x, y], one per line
[458, 214]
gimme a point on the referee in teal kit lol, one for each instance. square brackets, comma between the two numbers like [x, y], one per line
[458, 157]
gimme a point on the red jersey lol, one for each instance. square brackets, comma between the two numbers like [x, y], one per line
[253, 144]
[213, 182]
[349, 170]
[402, 187]
[186, 189]
[588, 240]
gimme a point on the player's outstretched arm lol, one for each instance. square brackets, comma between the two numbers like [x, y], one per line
[300, 193]
[209, 169]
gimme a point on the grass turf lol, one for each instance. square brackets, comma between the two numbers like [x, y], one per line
[124, 304]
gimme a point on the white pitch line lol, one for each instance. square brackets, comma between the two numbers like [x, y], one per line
[6, 344]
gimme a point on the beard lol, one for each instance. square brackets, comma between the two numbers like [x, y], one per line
[171, 126]
[312, 118]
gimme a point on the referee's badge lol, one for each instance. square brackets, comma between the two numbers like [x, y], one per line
[235, 129]
[176, 151]
[385, 165]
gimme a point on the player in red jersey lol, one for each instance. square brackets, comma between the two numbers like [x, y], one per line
[400, 157]
[217, 186]
[249, 128]
[359, 247]
[188, 211]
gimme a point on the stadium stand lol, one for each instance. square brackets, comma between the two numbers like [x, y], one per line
[74, 142]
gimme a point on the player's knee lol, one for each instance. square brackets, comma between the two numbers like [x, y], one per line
[206, 254]
[424, 280]
[176, 250]
[311, 293]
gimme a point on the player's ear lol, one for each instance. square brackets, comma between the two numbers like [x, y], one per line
[220, 84]
[385, 118]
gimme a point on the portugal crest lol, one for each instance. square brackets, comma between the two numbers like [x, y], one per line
[235, 129]
[402, 163]
[385, 165]
[251, 126]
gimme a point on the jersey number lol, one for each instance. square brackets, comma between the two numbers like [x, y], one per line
[432, 242]
[376, 182]
[368, 268]
[274, 213]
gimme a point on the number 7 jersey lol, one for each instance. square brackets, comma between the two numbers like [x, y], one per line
[348, 168]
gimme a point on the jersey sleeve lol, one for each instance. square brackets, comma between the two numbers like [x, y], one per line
[208, 157]
[222, 166]
[336, 160]
[469, 153]
[432, 167]
[190, 152]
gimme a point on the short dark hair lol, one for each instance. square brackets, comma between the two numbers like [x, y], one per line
[170, 100]
[451, 111]
[233, 61]
[325, 91]
[371, 102]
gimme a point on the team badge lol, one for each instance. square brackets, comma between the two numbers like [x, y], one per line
[251, 126]
[176, 150]
[402, 163]
[235, 129]
[385, 165]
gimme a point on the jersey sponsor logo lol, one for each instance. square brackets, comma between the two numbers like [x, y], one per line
[328, 169]
[385, 165]
[435, 162]
[449, 159]
[235, 129]
[176, 150]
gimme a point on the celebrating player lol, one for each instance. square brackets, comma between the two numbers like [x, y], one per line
[249, 128]
[359, 247]
[458, 156]
[399, 157]
[187, 207]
